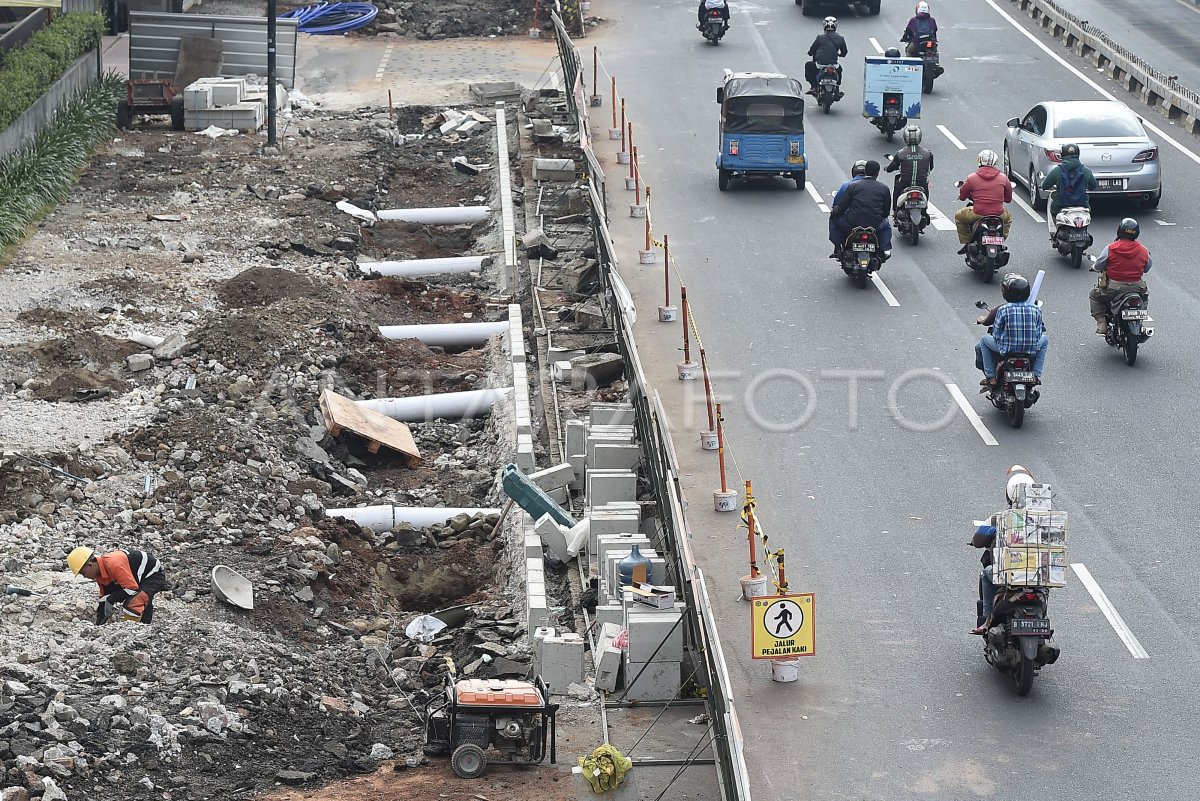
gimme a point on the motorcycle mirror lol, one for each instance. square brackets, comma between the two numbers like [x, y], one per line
[981, 304]
[959, 183]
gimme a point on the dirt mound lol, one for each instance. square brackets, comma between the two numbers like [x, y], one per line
[262, 286]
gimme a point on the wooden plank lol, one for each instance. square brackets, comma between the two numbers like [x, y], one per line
[379, 430]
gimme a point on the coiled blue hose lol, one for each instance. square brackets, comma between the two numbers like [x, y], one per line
[327, 18]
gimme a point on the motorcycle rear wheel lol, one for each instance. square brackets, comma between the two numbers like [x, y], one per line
[927, 84]
[1022, 676]
[860, 279]
[914, 235]
[825, 105]
[1130, 345]
[1016, 413]
[1077, 257]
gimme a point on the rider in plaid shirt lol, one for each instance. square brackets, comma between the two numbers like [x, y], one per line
[1017, 327]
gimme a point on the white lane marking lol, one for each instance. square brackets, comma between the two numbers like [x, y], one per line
[875, 44]
[971, 415]
[815, 195]
[953, 139]
[1163, 222]
[883, 290]
[1028, 209]
[1110, 612]
[383, 62]
[1088, 80]
[939, 220]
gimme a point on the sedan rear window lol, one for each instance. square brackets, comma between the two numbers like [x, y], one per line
[1085, 126]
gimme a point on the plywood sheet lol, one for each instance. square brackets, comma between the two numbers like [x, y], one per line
[342, 414]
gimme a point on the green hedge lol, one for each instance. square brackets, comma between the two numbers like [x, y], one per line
[31, 69]
[40, 175]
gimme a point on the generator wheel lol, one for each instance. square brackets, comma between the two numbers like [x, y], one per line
[468, 761]
[177, 113]
[123, 115]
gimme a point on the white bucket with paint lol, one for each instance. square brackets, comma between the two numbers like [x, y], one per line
[709, 441]
[753, 587]
[688, 371]
[637, 210]
[646, 257]
[614, 133]
[726, 501]
[668, 314]
[785, 670]
[631, 183]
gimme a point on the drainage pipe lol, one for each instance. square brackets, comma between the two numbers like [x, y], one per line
[386, 518]
[472, 403]
[409, 268]
[447, 335]
[444, 215]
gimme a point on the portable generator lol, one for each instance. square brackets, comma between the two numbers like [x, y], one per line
[515, 719]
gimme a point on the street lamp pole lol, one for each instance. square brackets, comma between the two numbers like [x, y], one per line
[271, 31]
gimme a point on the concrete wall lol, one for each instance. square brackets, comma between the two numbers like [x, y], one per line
[19, 33]
[81, 76]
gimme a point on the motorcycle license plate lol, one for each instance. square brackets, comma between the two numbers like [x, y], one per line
[863, 247]
[1030, 627]
[1020, 376]
[1135, 314]
[914, 204]
[1111, 183]
[993, 240]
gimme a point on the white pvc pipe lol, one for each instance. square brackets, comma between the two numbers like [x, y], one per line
[386, 518]
[472, 403]
[445, 215]
[446, 334]
[409, 268]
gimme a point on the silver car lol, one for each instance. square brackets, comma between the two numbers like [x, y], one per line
[1112, 143]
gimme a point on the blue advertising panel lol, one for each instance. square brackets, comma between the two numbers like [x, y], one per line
[882, 75]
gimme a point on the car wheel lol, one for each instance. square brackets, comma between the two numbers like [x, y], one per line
[1035, 195]
[1153, 201]
[1008, 164]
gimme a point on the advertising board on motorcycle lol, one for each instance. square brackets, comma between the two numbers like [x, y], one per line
[783, 627]
[892, 76]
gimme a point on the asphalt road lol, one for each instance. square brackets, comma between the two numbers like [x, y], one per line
[872, 500]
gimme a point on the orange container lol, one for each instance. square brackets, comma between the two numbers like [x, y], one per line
[497, 692]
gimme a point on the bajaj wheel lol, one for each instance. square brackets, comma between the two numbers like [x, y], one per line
[1022, 676]
[798, 177]
[1016, 416]
[1130, 345]
[468, 761]
[722, 179]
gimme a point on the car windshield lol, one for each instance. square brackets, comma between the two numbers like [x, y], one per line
[1093, 125]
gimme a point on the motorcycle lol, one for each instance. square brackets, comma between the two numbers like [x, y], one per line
[892, 118]
[860, 255]
[927, 51]
[910, 214]
[829, 86]
[986, 251]
[1071, 237]
[1016, 387]
[1127, 316]
[714, 27]
[1018, 640]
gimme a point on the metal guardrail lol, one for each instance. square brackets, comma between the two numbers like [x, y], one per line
[1164, 92]
[661, 464]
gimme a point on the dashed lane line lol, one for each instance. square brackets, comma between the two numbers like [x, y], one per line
[1028, 209]
[953, 139]
[972, 416]
[816, 196]
[1106, 606]
[939, 220]
[883, 290]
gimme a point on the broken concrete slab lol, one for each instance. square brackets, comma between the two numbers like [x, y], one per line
[554, 170]
[596, 370]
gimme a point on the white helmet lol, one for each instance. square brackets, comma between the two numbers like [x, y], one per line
[1017, 476]
[831, 24]
[988, 158]
[922, 7]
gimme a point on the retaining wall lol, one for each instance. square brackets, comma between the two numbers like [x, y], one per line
[79, 77]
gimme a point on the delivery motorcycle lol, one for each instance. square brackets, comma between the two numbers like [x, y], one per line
[829, 86]
[891, 118]
[1017, 641]
[1016, 387]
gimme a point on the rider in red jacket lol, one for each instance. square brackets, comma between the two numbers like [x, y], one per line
[989, 189]
[1122, 266]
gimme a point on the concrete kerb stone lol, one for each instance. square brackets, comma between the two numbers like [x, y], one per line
[508, 230]
[1168, 99]
[522, 409]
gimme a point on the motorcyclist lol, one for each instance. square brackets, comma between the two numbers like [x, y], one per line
[1017, 327]
[1122, 266]
[913, 162]
[866, 202]
[825, 50]
[857, 171]
[1072, 181]
[709, 5]
[922, 26]
[989, 189]
[985, 537]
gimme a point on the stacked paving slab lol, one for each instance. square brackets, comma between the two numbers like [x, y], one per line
[229, 103]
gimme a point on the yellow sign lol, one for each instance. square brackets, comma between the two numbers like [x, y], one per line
[783, 627]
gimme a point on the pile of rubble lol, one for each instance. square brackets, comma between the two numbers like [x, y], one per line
[456, 18]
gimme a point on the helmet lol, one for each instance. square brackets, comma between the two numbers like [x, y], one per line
[831, 24]
[892, 52]
[988, 158]
[912, 135]
[79, 557]
[1128, 229]
[1014, 288]
[859, 168]
[922, 8]
[1069, 152]
[1017, 476]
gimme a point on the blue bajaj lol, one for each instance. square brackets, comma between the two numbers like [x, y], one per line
[762, 127]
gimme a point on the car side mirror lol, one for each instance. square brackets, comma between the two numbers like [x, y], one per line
[720, 94]
[981, 304]
[1014, 123]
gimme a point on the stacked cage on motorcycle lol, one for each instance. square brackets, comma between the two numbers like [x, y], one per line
[1031, 542]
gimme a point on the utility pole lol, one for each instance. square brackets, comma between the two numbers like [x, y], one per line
[271, 26]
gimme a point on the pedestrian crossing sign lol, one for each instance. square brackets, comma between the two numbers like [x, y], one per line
[783, 627]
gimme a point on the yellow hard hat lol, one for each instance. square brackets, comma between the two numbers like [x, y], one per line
[79, 557]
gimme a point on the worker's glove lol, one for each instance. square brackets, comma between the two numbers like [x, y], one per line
[104, 611]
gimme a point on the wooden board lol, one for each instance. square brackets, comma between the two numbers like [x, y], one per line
[341, 413]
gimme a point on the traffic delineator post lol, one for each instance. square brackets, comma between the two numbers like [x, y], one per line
[626, 146]
[614, 132]
[687, 368]
[708, 437]
[595, 100]
[755, 584]
[636, 208]
[724, 499]
[634, 179]
[646, 255]
[667, 313]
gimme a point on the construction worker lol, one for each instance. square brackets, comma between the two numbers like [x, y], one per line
[126, 577]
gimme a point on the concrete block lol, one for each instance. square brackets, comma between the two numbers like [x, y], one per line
[653, 629]
[651, 681]
[560, 371]
[596, 370]
[608, 667]
[576, 437]
[553, 537]
[603, 486]
[139, 362]
[611, 414]
[533, 545]
[615, 457]
[578, 465]
[562, 662]
[560, 495]
[558, 476]
[539, 634]
[609, 613]
[553, 170]
[228, 91]
[524, 455]
[197, 98]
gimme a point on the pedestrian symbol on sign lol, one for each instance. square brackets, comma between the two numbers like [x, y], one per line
[780, 616]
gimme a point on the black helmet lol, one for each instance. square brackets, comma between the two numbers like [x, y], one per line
[892, 52]
[859, 168]
[1128, 229]
[1014, 288]
[1070, 152]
